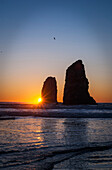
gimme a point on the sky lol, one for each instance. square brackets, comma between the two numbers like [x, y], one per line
[29, 54]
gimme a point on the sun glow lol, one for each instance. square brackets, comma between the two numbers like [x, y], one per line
[39, 100]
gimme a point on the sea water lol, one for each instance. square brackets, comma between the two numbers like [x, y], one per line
[56, 143]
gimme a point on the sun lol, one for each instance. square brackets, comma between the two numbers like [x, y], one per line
[39, 100]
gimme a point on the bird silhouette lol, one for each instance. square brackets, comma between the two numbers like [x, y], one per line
[54, 38]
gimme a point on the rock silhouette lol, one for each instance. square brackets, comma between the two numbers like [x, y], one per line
[76, 86]
[49, 90]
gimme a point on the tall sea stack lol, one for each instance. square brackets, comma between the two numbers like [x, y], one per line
[76, 86]
[49, 90]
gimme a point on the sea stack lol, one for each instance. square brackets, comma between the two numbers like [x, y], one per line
[49, 90]
[76, 86]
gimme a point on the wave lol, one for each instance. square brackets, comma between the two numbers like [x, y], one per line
[11, 110]
[56, 113]
[103, 110]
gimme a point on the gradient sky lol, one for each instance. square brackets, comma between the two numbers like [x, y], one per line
[28, 53]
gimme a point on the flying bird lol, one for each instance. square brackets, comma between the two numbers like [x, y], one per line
[54, 38]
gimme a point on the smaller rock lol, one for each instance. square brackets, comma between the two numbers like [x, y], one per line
[49, 90]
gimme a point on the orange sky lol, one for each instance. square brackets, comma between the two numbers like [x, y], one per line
[25, 90]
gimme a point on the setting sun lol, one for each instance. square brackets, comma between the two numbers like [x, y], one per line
[39, 100]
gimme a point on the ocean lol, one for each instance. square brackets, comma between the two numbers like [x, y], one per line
[55, 137]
